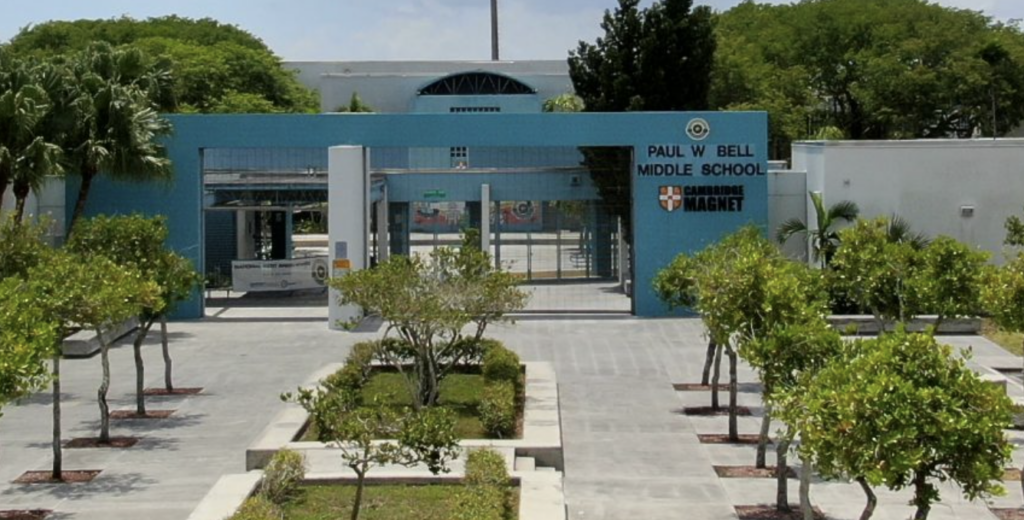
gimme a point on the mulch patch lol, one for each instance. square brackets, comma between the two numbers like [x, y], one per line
[94, 442]
[709, 411]
[721, 438]
[1007, 514]
[768, 512]
[697, 387]
[750, 472]
[69, 477]
[24, 514]
[176, 391]
[150, 414]
[1011, 474]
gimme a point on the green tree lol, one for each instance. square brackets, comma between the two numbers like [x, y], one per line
[428, 302]
[423, 437]
[949, 281]
[900, 411]
[825, 238]
[216, 67]
[658, 58]
[177, 279]
[117, 127]
[567, 102]
[874, 69]
[1002, 297]
[21, 247]
[27, 339]
[27, 153]
[137, 243]
[355, 105]
[875, 271]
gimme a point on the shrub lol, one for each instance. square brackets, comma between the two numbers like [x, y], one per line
[480, 503]
[498, 409]
[486, 495]
[358, 367]
[501, 364]
[486, 467]
[258, 508]
[286, 469]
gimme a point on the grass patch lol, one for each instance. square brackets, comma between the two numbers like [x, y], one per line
[460, 392]
[1010, 341]
[380, 502]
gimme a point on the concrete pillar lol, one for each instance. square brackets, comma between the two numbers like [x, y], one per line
[245, 248]
[289, 229]
[348, 214]
[383, 246]
[485, 217]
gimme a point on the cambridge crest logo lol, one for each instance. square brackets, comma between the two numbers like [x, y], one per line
[670, 197]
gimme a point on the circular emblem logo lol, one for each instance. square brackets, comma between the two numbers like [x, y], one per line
[320, 271]
[698, 129]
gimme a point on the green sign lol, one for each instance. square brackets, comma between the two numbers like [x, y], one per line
[434, 194]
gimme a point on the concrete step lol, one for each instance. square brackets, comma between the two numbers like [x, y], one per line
[525, 464]
[545, 469]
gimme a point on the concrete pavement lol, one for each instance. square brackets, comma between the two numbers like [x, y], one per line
[629, 453]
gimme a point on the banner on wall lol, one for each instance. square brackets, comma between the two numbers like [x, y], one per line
[279, 275]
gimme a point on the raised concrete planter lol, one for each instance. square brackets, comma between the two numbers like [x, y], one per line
[226, 496]
[867, 325]
[85, 343]
[542, 425]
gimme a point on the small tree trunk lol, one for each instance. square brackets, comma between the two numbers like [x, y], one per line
[716, 377]
[19, 209]
[921, 500]
[805, 489]
[762, 440]
[5, 179]
[58, 456]
[140, 368]
[87, 173]
[102, 392]
[168, 383]
[869, 508]
[734, 431]
[709, 359]
[357, 503]
[781, 480]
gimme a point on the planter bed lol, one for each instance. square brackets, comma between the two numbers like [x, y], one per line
[541, 424]
[460, 393]
[381, 501]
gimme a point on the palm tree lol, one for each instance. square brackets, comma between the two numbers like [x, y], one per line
[117, 124]
[824, 239]
[897, 229]
[22, 107]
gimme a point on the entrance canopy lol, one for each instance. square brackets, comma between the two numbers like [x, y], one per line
[696, 176]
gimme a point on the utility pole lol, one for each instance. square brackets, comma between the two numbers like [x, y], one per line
[495, 56]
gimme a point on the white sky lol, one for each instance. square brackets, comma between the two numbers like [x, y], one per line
[389, 29]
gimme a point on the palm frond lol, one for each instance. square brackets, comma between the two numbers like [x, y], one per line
[789, 228]
[844, 210]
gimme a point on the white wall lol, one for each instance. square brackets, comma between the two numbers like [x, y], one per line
[390, 86]
[49, 202]
[787, 199]
[926, 182]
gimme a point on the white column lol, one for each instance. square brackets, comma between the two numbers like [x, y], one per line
[347, 217]
[485, 217]
[383, 241]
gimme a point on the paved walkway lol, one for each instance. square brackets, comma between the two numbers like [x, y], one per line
[629, 453]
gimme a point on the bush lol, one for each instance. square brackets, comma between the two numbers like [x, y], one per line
[498, 409]
[486, 467]
[258, 508]
[501, 364]
[481, 503]
[357, 370]
[486, 495]
[286, 469]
